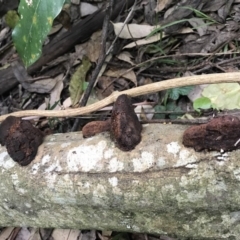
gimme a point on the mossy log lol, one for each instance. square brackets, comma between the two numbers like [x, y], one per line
[160, 187]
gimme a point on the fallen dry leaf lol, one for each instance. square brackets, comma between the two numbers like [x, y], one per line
[161, 4]
[122, 73]
[133, 30]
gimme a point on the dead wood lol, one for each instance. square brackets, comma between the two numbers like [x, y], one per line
[159, 187]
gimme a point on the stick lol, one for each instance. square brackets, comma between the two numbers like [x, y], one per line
[137, 91]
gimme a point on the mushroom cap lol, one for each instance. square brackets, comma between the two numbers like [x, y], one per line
[125, 126]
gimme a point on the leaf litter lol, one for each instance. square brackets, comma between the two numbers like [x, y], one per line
[163, 40]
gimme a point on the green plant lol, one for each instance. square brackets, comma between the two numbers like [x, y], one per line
[36, 18]
[170, 102]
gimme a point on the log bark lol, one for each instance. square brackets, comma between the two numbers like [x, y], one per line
[160, 187]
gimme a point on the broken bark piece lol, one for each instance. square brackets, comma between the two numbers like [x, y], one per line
[95, 127]
[222, 133]
[125, 126]
[21, 139]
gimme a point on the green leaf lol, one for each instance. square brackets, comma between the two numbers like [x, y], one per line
[172, 106]
[159, 108]
[36, 18]
[11, 18]
[176, 92]
[223, 95]
[202, 103]
[77, 83]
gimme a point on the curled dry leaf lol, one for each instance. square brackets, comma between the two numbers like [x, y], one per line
[162, 4]
[155, 38]
[129, 31]
[126, 57]
[130, 75]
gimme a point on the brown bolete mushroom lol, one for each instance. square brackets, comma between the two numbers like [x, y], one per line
[21, 139]
[220, 133]
[124, 126]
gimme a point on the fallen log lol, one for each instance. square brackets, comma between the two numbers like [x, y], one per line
[160, 187]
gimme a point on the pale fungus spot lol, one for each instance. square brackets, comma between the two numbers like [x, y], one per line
[63, 145]
[161, 162]
[173, 148]
[55, 166]
[143, 163]
[185, 157]
[86, 157]
[113, 181]
[108, 153]
[35, 168]
[6, 162]
[45, 159]
[115, 165]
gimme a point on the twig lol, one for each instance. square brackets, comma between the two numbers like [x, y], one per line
[103, 55]
[137, 91]
[100, 63]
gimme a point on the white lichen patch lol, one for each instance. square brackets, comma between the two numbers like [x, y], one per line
[99, 193]
[45, 159]
[187, 196]
[143, 163]
[173, 148]
[84, 187]
[113, 181]
[236, 174]
[235, 217]
[108, 153]
[66, 144]
[51, 179]
[28, 205]
[52, 139]
[217, 186]
[185, 158]
[15, 182]
[168, 189]
[86, 157]
[115, 165]
[55, 166]
[191, 166]
[6, 163]
[35, 168]
[21, 190]
[161, 162]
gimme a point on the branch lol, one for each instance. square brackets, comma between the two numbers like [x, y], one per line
[160, 187]
[146, 89]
